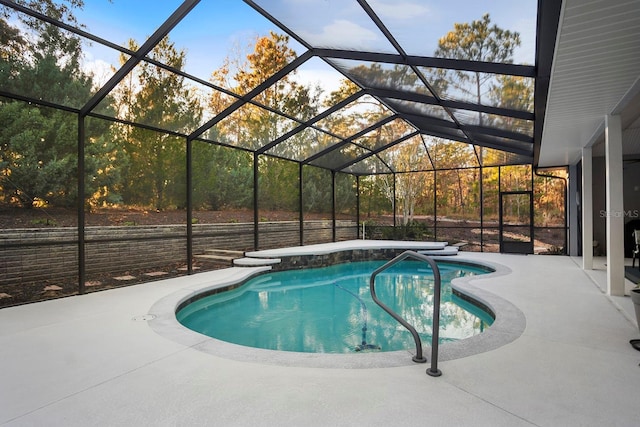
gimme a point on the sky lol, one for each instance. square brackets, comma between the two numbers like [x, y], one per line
[216, 29]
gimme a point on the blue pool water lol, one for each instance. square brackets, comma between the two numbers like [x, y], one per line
[330, 310]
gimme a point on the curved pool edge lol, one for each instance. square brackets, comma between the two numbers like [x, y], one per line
[508, 325]
[509, 321]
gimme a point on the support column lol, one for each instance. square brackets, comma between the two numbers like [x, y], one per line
[394, 200]
[334, 203]
[615, 206]
[358, 209]
[82, 268]
[572, 211]
[587, 209]
[189, 205]
[481, 205]
[300, 204]
[256, 218]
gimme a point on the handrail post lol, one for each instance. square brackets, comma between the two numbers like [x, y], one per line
[419, 358]
[435, 333]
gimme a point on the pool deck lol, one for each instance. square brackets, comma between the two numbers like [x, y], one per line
[99, 359]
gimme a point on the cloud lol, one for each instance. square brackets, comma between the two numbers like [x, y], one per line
[101, 71]
[341, 32]
[328, 79]
[402, 11]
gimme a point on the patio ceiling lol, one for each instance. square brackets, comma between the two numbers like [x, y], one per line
[391, 68]
[596, 72]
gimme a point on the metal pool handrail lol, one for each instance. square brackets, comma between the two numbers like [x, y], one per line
[419, 358]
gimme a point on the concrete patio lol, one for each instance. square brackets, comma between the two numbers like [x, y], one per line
[96, 360]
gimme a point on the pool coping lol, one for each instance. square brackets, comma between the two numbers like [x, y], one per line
[509, 324]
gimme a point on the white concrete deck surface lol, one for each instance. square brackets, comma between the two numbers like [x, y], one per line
[96, 360]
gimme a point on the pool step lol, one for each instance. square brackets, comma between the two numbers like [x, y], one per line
[220, 257]
[255, 262]
[446, 251]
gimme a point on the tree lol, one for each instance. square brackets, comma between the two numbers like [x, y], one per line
[156, 161]
[278, 184]
[476, 41]
[490, 193]
[479, 41]
[513, 92]
[222, 177]
[360, 114]
[455, 188]
[38, 158]
[346, 196]
[11, 42]
[316, 190]
[410, 156]
[548, 197]
[373, 200]
[252, 126]
[516, 178]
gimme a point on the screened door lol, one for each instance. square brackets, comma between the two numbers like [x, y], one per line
[516, 222]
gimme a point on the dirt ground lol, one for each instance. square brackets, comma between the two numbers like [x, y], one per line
[11, 218]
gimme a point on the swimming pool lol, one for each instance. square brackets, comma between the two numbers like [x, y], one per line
[330, 310]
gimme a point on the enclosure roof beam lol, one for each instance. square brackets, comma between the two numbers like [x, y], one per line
[479, 140]
[521, 151]
[484, 130]
[547, 29]
[426, 61]
[36, 101]
[458, 105]
[424, 123]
